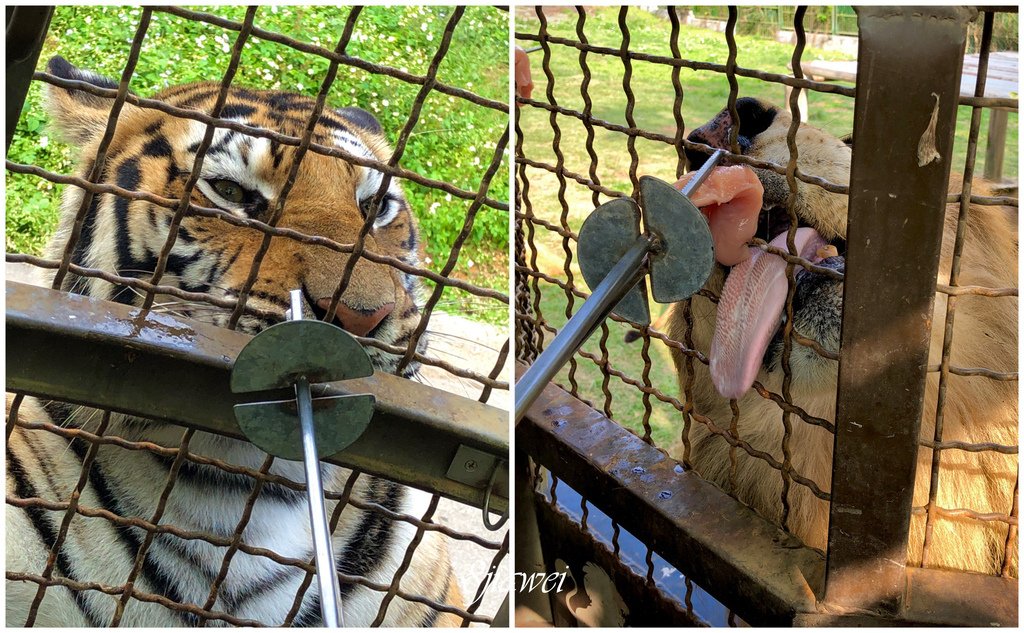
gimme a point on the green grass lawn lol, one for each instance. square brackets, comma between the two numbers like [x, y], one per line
[705, 93]
[453, 141]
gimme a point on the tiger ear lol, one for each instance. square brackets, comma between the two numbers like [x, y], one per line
[361, 119]
[78, 116]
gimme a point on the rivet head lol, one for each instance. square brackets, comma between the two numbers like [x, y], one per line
[638, 470]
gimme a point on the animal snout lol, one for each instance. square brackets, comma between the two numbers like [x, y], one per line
[358, 321]
[714, 133]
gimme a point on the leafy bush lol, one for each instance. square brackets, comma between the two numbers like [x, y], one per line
[453, 141]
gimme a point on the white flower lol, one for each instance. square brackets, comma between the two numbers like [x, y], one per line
[386, 103]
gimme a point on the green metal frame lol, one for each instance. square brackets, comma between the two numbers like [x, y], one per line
[116, 357]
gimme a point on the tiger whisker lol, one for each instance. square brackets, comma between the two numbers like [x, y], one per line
[461, 338]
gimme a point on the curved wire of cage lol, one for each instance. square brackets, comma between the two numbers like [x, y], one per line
[533, 225]
[179, 456]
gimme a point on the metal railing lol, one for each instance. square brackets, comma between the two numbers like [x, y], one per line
[762, 575]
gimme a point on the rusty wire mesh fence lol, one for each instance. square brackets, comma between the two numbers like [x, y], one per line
[617, 91]
[485, 195]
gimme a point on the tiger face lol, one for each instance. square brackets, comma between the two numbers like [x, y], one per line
[244, 177]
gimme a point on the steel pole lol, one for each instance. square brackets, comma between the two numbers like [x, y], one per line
[327, 576]
[620, 280]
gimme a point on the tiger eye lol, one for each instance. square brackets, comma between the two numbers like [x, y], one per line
[229, 190]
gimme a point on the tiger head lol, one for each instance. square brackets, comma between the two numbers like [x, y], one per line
[242, 177]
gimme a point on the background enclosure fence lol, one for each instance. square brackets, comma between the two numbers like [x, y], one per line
[425, 434]
[598, 481]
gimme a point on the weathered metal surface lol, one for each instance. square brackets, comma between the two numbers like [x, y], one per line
[685, 253]
[645, 604]
[606, 236]
[26, 30]
[108, 355]
[752, 566]
[766, 576]
[528, 558]
[277, 356]
[338, 421]
[940, 598]
[897, 204]
[473, 467]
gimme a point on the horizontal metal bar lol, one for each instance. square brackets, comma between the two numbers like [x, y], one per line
[766, 576]
[113, 356]
[747, 563]
[939, 598]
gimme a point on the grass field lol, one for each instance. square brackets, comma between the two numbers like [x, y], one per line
[453, 141]
[705, 93]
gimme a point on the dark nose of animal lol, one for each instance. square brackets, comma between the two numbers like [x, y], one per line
[714, 133]
[358, 322]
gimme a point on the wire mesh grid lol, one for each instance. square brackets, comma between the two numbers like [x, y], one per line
[582, 105]
[155, 282]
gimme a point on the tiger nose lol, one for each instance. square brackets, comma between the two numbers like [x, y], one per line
[358, 322]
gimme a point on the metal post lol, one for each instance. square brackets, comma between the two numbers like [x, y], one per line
[326, 575]
[909, 62]
[26, 31]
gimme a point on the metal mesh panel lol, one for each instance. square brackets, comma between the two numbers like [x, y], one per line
[612, 138]
[480, 384]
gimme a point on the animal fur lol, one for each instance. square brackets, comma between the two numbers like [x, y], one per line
[977, 409]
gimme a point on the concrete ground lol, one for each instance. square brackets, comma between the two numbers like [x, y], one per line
[468, 345]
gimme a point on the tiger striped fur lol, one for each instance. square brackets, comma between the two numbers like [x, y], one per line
[242, 175]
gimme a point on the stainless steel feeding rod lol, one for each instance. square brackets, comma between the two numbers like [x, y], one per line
[326, 574]
[629, 270]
